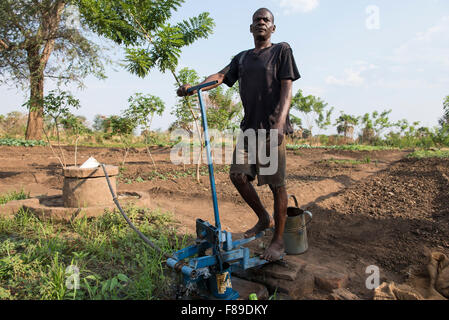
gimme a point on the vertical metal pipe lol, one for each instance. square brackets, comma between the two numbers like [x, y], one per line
[210, 162]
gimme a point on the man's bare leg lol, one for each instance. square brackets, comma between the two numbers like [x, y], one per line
[249, 194]
[276, 248]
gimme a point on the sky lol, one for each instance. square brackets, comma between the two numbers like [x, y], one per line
[359, 56]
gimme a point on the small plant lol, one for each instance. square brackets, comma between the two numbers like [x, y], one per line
[274, 296]
[367, 160]
[141, 111]
[76, 128]
[21, 142]
[110, 289]
[422, 154]
[124, 128]
[350, 147]
[56, 105]
[14, 195]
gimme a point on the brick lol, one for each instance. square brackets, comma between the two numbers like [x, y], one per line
[286, 269]
[342, 294]
[327, 279]
[9, 209]
[296, 290]
[301, 287]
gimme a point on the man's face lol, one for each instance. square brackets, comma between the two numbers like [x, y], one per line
[263, 25]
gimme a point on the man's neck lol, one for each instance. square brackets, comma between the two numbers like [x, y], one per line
[262, 44]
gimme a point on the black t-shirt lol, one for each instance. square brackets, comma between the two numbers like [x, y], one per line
[259, 75]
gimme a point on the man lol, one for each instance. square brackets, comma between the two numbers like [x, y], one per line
[265, 76]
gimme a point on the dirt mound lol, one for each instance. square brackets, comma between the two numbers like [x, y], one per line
[389, 218]
[412, 189]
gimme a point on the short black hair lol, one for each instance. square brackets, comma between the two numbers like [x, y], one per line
[265, 9]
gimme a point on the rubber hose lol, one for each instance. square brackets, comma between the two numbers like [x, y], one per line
[141, 235]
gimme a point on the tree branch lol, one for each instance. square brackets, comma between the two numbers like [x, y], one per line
[4, 45]
[53, 22]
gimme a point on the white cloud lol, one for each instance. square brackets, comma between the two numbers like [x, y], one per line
[430, 46]
[295, 6]
[407, 83]
[352, 76]
[313, 90]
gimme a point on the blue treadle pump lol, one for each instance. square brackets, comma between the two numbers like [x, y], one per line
[211, 274]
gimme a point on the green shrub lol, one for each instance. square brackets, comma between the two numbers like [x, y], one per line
[21, 142]
[11, 196]
[422, 154]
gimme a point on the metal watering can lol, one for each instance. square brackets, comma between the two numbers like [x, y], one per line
[295, 233]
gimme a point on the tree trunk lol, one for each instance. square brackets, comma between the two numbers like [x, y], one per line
[349, 132]
[39, 51]
[36, 114]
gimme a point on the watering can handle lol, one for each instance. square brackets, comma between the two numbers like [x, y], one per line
[311, 218]
[305, 212]
[294, 198]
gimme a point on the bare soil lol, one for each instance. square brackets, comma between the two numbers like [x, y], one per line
[382, 211]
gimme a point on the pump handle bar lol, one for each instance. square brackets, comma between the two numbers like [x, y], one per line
[201, 86]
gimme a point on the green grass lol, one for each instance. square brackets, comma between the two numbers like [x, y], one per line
[113, 262]
[170, 175]
[342, 147]
[14, 195]
[422, 154]
[367, 160]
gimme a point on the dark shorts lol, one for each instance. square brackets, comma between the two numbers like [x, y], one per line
[261, 160]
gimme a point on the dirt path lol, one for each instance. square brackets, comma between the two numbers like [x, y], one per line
[370, 208]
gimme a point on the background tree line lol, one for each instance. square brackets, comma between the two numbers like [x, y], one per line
[43, 40]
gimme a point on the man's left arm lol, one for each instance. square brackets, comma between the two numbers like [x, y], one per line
[279, 119]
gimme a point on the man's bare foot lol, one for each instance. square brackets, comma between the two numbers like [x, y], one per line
[274, 252]
[261, 226]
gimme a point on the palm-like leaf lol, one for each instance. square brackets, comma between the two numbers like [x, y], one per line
[196, 28]
[140, 62]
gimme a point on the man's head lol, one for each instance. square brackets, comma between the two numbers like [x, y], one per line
[263, 24]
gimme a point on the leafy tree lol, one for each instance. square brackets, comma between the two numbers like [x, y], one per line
[367, 131]
[402, 125]
[123, 127]
[56, 106]
[298, 128]
[98, 124]
[324, 119]
[187, 111]
[75, 126]
[142, 110]
[13, 124]
[150, 40]
[32, 31]
[381, 122]
[2, 121]
[142, 27]
[407, 129]
[37, 43]
[296, 122]
[225, 109]
[375, 124]
[346, 124]
[445, 119]
[313, 109]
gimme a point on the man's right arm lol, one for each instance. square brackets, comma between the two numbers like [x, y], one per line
[182, 91]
